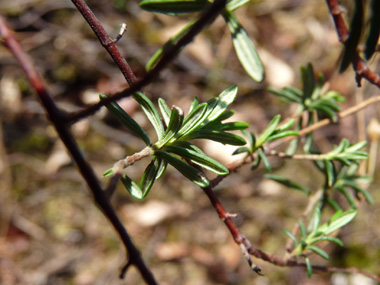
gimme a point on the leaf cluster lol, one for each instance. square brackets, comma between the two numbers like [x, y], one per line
[318, 233]
[312, 97]
[271, 133]
[174, 131]
[244, 47]
[339, 166]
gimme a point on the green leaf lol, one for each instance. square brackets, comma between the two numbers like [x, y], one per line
[339, 220]
[108, 172]
[251, 140]
[309, 268]
[308, 80]
[176, 118]
[225, 115]
[288, 183]
[161, 168]
[149, 177]
[319, 251]
[294, 91]
[232, 126]
[218, 136]
[347, 195]
[188, 145]
[374, 29]
[188, 171]
[264, 159]
[283, 134]
[244, 48]
[316, 220]
[224, 100]
[286, 125]
[357, 188]
[330, 172]
[241, 150]
[332, 239]
[331, 103]
[285, 95]
[234, 4]
[151, 112]
[291, 236]
[268, 131]
[132, 187]
[302, 229]
[330, 113]
[292, 147]
[171, 42]
[200, 159]
[126, 120]
[256, 163]
[174, 7]
[334, 204]
[193, 120]
[165, 110]
[194, 104]
[336, 96]
[356, 147]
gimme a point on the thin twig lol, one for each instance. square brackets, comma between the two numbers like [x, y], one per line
[57, 118]
[296, 156]
[106, 41]
[205, 19]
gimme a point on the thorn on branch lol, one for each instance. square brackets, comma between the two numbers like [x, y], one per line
[122, 31]
[124, 270]
[229, 215]
[339, 10]
[257, 270]
[249, 260]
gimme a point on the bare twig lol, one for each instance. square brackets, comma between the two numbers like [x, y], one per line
[206, 18]
[58, 119]
[296, 156]
[106, 41]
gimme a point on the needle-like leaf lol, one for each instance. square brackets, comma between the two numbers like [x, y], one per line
[244, 48]
[151, 113]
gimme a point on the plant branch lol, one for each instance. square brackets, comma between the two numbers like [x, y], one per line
[313, 201]
[57, 118]
[130, 160]
[247, 247]
[205, 19]
[105, 40]
[360, 67]
[296, 156]
[235, 165]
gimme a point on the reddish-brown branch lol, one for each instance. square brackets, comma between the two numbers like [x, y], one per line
[246, 246]
[205, 19]
[359, 65]
[57, 118]
[108, 43]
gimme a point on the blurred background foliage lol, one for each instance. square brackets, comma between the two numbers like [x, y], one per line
[51, 233]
